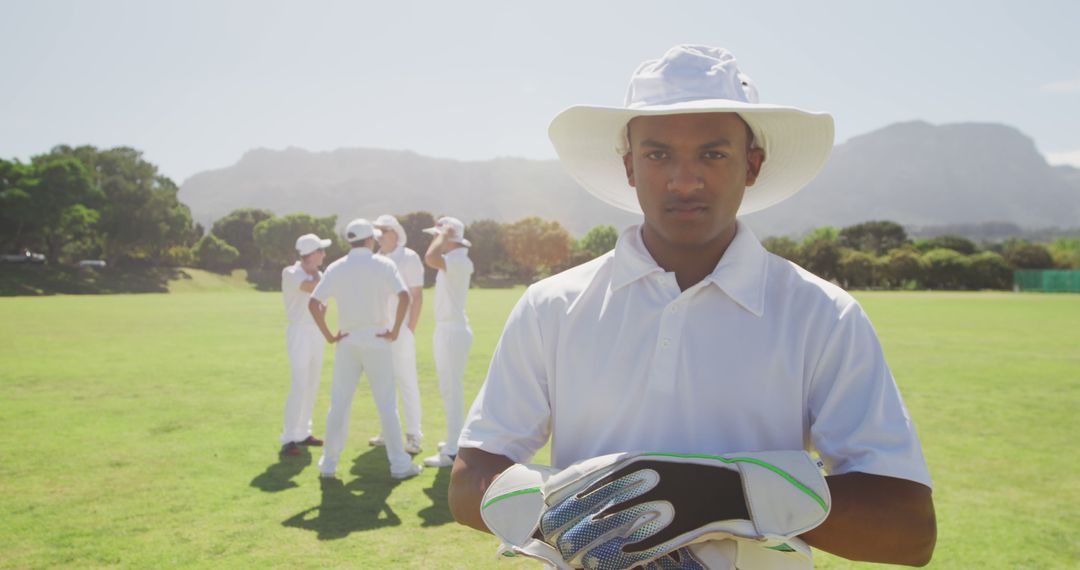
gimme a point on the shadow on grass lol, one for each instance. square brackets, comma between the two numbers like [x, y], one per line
[439, 511]
[278, 476]
[16, 280]
[356, 506]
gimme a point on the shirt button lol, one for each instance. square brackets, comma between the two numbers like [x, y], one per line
[665, 343]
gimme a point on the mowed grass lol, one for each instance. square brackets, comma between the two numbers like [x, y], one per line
[141, 431]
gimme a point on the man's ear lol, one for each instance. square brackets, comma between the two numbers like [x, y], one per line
[755, 157]
[628, 164]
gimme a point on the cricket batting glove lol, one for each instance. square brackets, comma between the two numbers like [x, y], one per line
[643, 509]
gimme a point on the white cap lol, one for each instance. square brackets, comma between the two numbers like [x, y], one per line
[448, 223]
[388, 221]
[359, 230]
[309, 243]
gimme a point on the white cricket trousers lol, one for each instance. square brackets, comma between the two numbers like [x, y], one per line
[404, 352]
[305, 345]
[355, 354]
[451, 344]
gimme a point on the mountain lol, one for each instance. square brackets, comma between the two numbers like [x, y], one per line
[915, 173]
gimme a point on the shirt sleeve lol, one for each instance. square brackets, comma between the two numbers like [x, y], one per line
[459, 269]
[398, 281]
[858, 421]
[413, 271]
[511, 415]
[325, 289]
[291, 280]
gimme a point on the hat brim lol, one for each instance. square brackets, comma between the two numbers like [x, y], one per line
[323, 244]
[797, 144]
[435, 231]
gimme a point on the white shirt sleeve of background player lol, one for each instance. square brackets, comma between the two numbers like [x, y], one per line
[858, 421]
[398, 282]
[412, 271]
[291, 280]
[325, 289]
[511, 415]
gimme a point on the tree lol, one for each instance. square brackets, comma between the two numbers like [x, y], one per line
[856, 269]
[536, 246]
[63, 199]
[600, 240]
[874, 237]
[988, 270]
[276, 237]
[945, 269]
[237, 229]
[902, 266]
[821, 256]
[1066, 253]
[487, 251]
[1023, 255]
[783, 246]
[141, 216]
[15, 203]
[214, 253]
[414, 223]
[959, 244]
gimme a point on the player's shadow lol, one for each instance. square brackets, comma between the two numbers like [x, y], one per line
[355, 506]
[278, 476]
[439, 511]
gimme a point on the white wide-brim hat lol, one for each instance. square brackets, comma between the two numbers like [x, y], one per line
[388, 221]
[591, 140]
[446, 222]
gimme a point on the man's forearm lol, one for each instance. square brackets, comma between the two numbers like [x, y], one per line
[318, 312]
[417, 294]
[877, 519]
[473, 472]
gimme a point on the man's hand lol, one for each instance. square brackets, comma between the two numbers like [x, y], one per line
[390, 336]
[332, 339]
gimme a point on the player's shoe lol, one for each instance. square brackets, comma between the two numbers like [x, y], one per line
[412, 471]
[412, 444]
[312, 441]
[376, 441]
[290, 449]
[439, 460]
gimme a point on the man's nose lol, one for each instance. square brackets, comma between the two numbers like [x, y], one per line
[684, 177]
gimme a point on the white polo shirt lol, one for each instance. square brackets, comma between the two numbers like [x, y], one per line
[363, 285]
[761, 355]
[412, 272]
[296, 300]
[452, 287]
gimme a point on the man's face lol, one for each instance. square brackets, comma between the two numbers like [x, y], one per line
[690, 172]
[388, 240]
[315, 258]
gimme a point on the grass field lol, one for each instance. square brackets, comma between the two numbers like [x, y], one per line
[142, 432]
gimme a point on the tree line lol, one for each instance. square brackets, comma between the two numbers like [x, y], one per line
[82, 202]
[880, 255]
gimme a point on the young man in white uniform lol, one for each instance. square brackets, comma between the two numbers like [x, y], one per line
[304, 342]
[449, 253]
[392, 245]
[692, 340]
[363, 285]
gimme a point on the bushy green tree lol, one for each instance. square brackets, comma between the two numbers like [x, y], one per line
[214, 253]
[901, 267]
[536, 246]
[820, 255]
[1066, 253]
[600, 240]
[237, 229]
[945, 269]
[857, 269]
[276, 237]
[988, 270]
[1024, 255]
[875, 237]
[783, 246]
[487, 252]
[958, 244]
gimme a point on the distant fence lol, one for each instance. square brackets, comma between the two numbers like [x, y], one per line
[1047, 280]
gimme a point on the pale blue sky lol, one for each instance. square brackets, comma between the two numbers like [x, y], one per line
[195, 84]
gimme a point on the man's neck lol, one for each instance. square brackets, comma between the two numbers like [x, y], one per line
[690, 264]
[309, 268]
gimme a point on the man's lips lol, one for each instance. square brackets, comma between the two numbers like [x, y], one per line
[686, 210]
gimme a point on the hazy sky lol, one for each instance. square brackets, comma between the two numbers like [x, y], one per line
[195, 84]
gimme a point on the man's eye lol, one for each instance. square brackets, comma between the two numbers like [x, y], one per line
[656, 155]
[714, 154]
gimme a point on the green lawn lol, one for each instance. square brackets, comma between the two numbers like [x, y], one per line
[142, 432]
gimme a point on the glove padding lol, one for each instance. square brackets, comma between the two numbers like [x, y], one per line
[622, 510]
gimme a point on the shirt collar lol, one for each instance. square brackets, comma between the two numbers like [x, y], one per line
[740, 274]
[358, 252]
